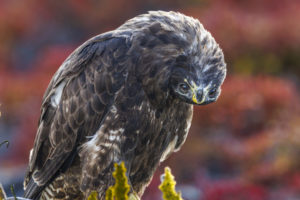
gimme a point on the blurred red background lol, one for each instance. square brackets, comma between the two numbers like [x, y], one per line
[245, 146]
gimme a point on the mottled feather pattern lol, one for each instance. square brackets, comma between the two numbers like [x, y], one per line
[113, 101]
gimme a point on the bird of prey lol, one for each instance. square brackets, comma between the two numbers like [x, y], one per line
[123, 96]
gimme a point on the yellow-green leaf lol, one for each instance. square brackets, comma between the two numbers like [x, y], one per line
[121, 188]
[168, 187]
[109, 194]
[93, 196]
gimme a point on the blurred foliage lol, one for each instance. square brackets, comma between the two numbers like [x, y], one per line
[246, 145]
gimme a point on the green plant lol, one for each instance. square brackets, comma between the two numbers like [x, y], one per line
[168, 186]
[121, 188]
[93, 196]
[2, 193]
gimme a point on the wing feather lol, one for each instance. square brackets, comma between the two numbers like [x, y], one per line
[73, 107]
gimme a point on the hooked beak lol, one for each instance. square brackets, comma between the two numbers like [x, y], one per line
[199, 92]
[198, 96]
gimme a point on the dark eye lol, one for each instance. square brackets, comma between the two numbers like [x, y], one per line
[212, 92]
[183, 87]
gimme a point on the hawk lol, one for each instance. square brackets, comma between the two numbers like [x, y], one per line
[123, 96]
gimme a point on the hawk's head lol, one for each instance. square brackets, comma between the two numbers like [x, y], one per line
[177, 57]
[198, 81]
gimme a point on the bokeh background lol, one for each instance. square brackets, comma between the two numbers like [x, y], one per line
[246, 146]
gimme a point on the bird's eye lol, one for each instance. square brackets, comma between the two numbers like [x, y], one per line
[212, 92]
[183, 87]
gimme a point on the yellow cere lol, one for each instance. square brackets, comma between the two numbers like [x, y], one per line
[194, 89]
[194, 98]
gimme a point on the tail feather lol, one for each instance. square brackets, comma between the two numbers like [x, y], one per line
[32, 190]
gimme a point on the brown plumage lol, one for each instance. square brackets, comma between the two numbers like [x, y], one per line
[125, 95]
